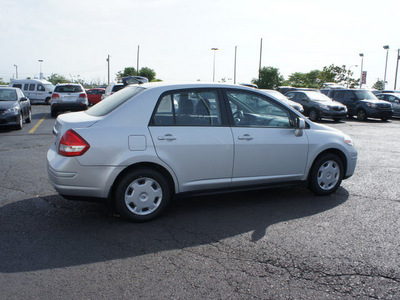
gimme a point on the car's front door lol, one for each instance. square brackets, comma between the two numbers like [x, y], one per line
[189, 135]
[266, 147]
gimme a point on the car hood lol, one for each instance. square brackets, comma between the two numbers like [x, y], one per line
[377, 101]
[7, 104]
[336, 103]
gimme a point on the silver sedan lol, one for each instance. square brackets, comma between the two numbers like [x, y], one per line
[147, 143]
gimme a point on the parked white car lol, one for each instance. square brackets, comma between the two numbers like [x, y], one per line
[143, 145]
[68, 97]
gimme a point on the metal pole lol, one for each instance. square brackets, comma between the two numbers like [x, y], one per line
[108, 62]
[41, 73]
[361, 76]
[387, 54]
[259, 66]
[137, 61]
[397, 67]
[214, 49]
[16, 71]
[234, 71]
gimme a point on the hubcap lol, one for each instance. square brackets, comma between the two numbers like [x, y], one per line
[143, 196]
[328, 175]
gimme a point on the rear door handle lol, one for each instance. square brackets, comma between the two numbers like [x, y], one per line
[167, 137]
[245, 137]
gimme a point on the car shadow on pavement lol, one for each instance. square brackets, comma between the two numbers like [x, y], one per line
[39, 234]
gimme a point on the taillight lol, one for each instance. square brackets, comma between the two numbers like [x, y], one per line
[72, 144]
[83, 95]
[55, 96]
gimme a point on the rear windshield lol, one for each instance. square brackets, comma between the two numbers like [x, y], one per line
[68, 89]
[8, 95]
[112, 102]
[118, 87]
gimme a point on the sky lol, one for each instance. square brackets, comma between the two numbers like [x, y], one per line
[175, 37]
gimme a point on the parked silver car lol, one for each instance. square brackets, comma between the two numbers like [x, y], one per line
[283, 98]
[68, 97]
[147, 143]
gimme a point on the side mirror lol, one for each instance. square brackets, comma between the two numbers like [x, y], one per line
[300, 125]
[24, 99]
[397, 101]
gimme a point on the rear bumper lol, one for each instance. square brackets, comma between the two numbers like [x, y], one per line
[69, 106]
[70, 178]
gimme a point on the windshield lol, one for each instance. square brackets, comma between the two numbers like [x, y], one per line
[112, 102]
[49, 87]
[8, 95]
[365, 95]
[317, 96]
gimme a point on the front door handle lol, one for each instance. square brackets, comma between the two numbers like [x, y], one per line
[245, 137]
[167, 137]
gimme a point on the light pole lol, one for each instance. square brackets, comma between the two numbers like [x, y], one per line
[387, 54]
[234, 68]
[41, 73]
[397, 67]
[108, 63]
[361, 76]
[214, 49]
[16, 71]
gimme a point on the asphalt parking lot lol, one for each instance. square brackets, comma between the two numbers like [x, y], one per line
[271, 244]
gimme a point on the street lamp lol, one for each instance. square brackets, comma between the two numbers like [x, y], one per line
[16, 71]
[41, 74]
[214, 49]
[387, 53]
[361, 76]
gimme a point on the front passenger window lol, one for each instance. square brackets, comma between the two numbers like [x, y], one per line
[252, 110]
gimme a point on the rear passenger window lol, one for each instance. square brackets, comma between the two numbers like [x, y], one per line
[32, 87]
[188, 108]
[26, 87]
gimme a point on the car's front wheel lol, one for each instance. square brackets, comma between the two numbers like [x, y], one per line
[361, 115]
[326, 174]
[29, 117]
[314, 115]
[142, 195]
[20, 121]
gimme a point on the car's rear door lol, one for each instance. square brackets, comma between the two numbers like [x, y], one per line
[192, 138]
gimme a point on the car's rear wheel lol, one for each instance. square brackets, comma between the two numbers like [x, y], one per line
[326, 174]
[142, 195]
[54, 113]
[361, 115]
[314, 115]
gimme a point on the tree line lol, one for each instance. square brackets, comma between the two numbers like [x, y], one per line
[270, 78]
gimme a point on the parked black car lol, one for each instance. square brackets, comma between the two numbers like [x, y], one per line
[362, 103]
[14, 107]
[316, 105]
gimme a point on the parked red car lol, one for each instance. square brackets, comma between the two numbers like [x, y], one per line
[94, 95]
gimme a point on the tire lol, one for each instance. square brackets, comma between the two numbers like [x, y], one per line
[361, 115]
[326, 175]
[314, 115]
[20, 120]
[384, 119]
[47, 101]
[142, 195]
[336, 120]
[54, 113]
[29, 118]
